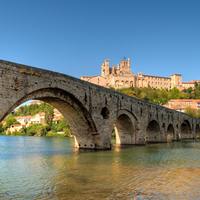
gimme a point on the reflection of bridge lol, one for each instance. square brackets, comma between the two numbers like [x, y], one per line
[91, 110]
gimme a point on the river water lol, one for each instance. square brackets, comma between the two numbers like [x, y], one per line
[51, 168]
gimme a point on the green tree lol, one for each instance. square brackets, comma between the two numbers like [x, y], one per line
[36, 130]
[1, 128]
[11, 121]
[49, 115]
[190, 111]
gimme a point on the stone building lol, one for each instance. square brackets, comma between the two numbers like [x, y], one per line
[181, 104]
[191, 84]
[121, 77]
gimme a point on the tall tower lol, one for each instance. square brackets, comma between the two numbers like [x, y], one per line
[105, 68]
[125, 65]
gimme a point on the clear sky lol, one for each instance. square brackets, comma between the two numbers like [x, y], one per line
[74, 37]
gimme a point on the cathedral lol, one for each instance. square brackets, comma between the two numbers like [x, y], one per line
[120, 76]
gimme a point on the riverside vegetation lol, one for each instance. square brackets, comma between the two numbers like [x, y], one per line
[50, 129]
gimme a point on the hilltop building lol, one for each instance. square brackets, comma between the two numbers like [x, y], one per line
[121, 77]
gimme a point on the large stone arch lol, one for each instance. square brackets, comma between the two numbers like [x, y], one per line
[153, 132]
[78, 117]
[170, 133]
[125, 127]
[197, 131]
[185, 130]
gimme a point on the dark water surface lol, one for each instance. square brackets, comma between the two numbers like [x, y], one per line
[51, 168]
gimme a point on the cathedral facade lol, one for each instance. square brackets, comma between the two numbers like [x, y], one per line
[120, 76]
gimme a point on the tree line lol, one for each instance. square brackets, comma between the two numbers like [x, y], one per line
[162, 96]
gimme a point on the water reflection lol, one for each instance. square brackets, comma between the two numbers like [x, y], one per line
[51, 168]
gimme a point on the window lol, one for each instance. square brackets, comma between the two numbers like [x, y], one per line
[198, 105]
[152, 82]
[149, 82]
[161, 79]
[161, 83]
[156, 83]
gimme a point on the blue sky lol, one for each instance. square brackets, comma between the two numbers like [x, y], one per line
[74, 37]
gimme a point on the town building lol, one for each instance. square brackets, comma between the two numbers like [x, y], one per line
[57, 116]
[190, 84]
[181, 104]
[121, 77]
[35, 102]
[14, 127]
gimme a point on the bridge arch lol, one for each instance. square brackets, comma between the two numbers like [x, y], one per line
[76, 114]
[170, 133]
[153, 132]
[197, 131]
[125, 128]
[185, 130]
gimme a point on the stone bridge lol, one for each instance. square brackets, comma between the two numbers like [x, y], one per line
[91, 110]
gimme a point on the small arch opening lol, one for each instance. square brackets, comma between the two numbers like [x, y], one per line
[170, 133]
[197, 131]
[124, 129]
[185, 130]
[153, 133]
[105, 113]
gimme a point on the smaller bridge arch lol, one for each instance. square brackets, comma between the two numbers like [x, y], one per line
[170, 133]
[197, 131]
[185, 130]
[153, 132]
[125, 128]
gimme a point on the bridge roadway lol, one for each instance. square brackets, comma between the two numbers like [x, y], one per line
[92, 110]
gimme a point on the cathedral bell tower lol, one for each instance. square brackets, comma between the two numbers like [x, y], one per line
[105, 68]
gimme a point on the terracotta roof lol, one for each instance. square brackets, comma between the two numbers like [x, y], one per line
[156, 76]
[34, 102]
[182, 100]
[188, 82]
[17, 125]
[57, 118]
[42, 114]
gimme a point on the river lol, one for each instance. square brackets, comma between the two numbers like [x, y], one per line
[51, 168]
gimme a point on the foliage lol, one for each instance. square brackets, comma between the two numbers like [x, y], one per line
[36, 130]
[11, 121]
[31, 109]
[161, 96]
[1, 128]
[18, 133]
[53, 134]
[49, 115]
[3, 133]
[193, 112]
[190, 111]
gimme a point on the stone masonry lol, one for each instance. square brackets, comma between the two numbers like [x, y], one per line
[91, 110]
